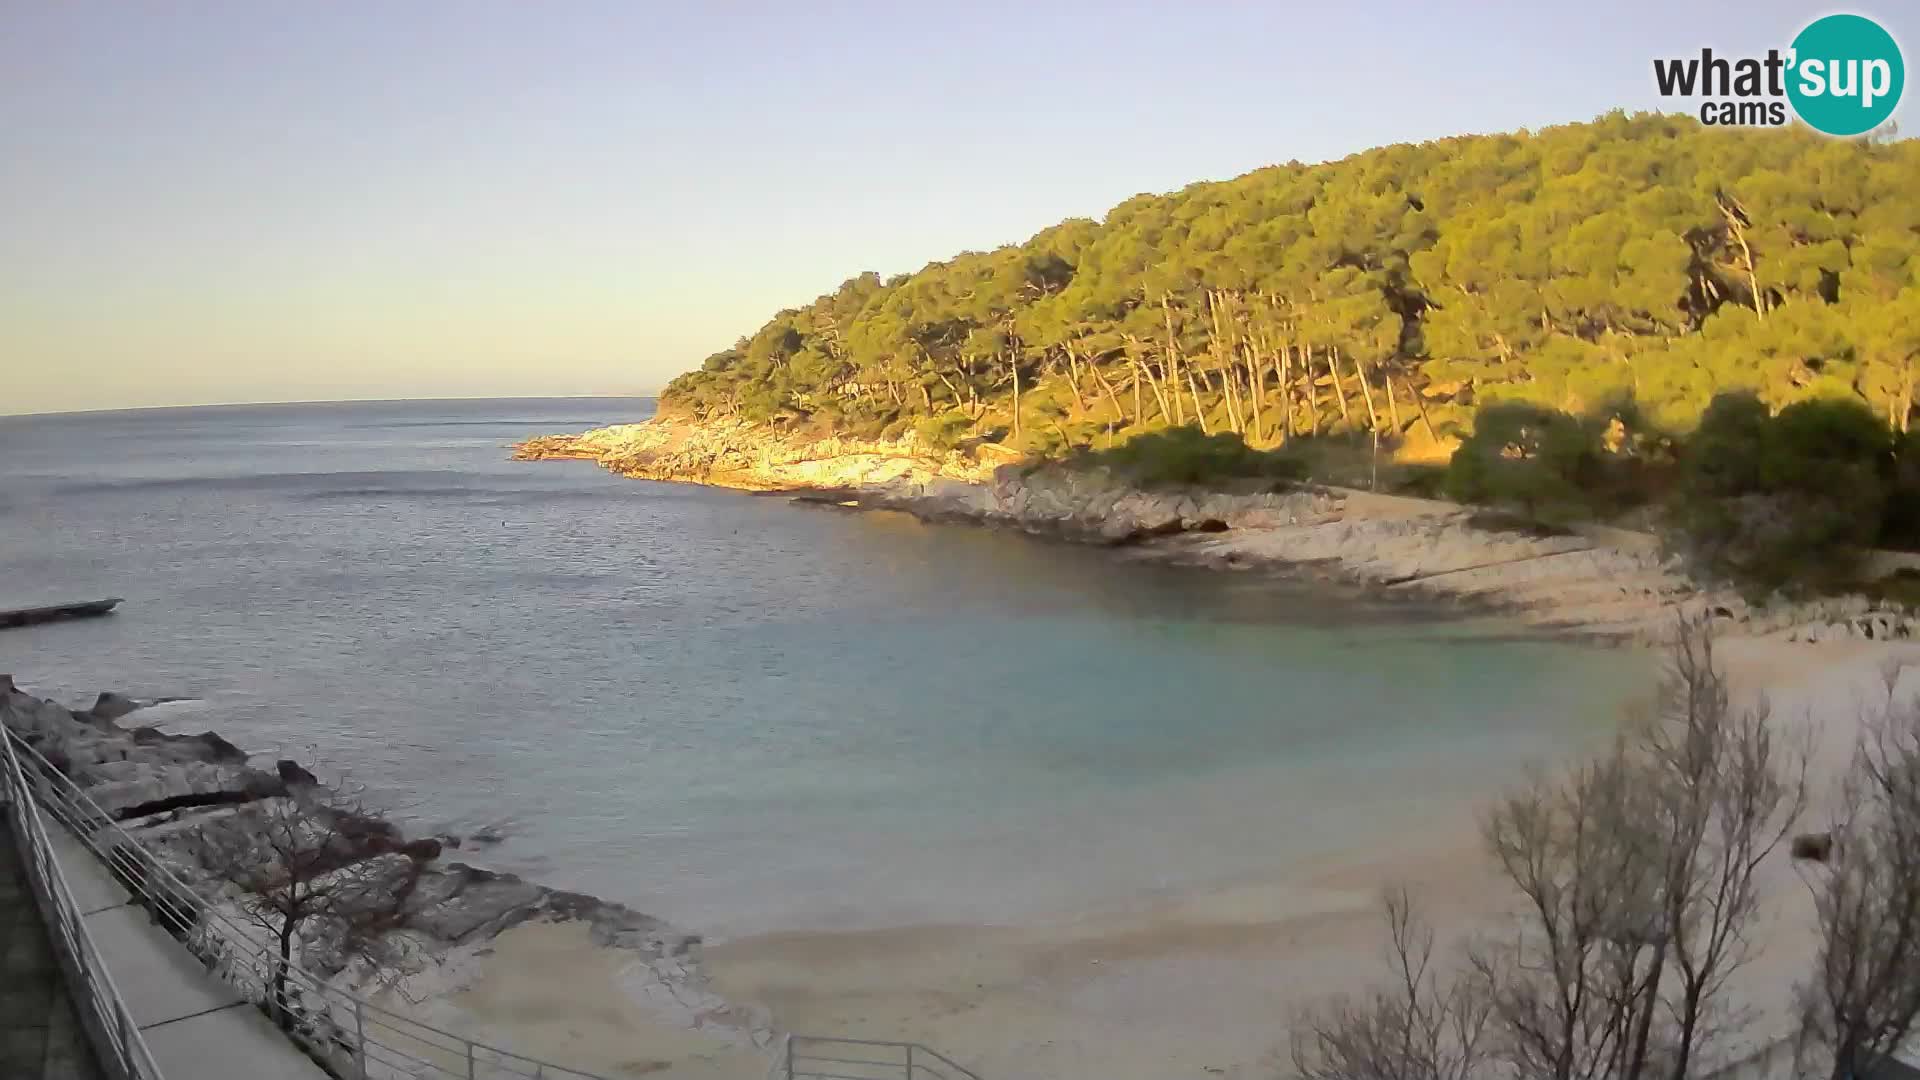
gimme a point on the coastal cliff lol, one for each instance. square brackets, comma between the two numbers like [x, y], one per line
[1596, 581]
[447, 923]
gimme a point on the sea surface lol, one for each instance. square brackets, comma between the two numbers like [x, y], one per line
[736, 712]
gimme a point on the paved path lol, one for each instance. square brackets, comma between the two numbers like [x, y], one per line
[40, 1038]
[195, 1024]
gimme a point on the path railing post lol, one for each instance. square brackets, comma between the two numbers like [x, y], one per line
[360, 1037]
[909, 1061]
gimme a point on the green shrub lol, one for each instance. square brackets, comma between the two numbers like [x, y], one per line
[1792, 499]
[1900, 528]
[1186, 457]
[943, 431]
[1723, 456]
[865, 426]
[1834, 445]
[1540, 460]
[1421, 481]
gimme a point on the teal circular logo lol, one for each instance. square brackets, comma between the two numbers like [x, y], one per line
[1846, 74]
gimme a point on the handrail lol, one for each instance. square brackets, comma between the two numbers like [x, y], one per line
[824, 1057]
[351, 1034]
[117, 1043]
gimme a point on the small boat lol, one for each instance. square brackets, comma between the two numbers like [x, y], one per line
[55, 612]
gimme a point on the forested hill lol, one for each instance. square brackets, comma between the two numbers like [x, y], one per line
[1635, 258]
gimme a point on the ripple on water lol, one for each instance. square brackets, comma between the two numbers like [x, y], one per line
[736, 712]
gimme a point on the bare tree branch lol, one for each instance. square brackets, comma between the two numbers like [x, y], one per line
[1860, 1003]
[1416, 1029]
[1637, 873]
[311, 866]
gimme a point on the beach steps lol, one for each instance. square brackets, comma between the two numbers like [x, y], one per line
[830, 1057]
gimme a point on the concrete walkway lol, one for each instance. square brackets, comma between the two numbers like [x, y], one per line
[40, 1038]
[195, 1024]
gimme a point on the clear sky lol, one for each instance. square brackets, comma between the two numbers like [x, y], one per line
[255, 202]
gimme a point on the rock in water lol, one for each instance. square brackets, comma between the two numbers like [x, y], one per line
[112, 706]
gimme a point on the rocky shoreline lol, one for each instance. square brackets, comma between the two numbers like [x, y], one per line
[1596, 583]
[161, 788]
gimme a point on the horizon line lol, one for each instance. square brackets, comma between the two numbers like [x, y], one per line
[653, 395]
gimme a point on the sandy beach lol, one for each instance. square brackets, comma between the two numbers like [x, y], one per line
[1199, 987]
[559, 996]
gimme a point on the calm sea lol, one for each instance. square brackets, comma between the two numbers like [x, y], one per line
[736, 712]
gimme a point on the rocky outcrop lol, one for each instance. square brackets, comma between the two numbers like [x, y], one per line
[163, 788]
[112, 706]
[1091, 505]
[750, 457]
[1847, 618]
[986, 483]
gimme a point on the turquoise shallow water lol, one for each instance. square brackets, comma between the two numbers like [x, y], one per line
[736, 712]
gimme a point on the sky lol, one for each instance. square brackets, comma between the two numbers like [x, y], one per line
[222, 202]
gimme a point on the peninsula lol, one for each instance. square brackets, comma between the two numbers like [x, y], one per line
[1642, 360]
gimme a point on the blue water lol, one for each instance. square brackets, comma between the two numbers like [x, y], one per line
[736, 712]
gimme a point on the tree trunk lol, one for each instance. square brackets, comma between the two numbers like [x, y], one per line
[1643, 1025]
[1393, 405]
[1162, 391]
[1145, 371]
[1016, 398]
[1119, 413]
[1904, 412]
[1746, 253]
[1233, 401]
[1339, 388]
[1421, 406]
[1223, 356]
[1313, 390]
[1285, 363]
[1173, 362]
[1366, 391]
[1256, 390]
[1073, 381]
[1689, 1032]
[1199, 412]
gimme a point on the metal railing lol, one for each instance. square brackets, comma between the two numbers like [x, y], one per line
[117, 1043]
[349, 1034]
[819, 1057]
